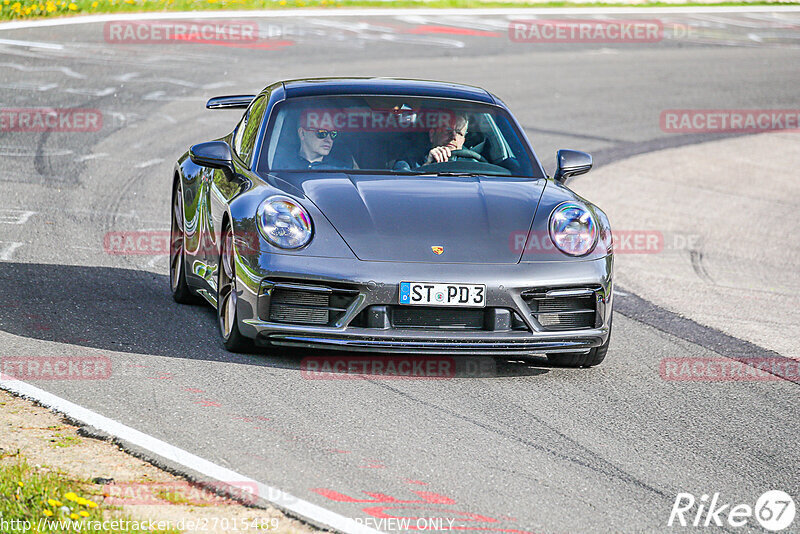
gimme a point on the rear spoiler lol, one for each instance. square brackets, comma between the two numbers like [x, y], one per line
[230, 102]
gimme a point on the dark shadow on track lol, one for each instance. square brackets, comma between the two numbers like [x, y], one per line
[125, 310]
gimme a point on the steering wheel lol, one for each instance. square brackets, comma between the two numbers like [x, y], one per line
[466, 153]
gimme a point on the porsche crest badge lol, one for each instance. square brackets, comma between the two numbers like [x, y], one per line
[437, 249]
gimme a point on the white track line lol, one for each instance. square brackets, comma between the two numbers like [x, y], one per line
[30, 44]
[326, 13]
[7, 253]
[311, 512]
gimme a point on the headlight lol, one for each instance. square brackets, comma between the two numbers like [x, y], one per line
[573, 229]
[284, 223]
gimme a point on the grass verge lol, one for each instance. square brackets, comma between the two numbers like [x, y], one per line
[34, 500]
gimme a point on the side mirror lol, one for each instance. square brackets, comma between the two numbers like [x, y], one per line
[571, 163]
[214, 154]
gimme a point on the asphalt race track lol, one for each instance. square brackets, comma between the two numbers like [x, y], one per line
[516, 446]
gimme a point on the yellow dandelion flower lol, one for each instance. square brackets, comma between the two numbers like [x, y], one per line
[53, 502]
[48, 513]
[5, 2]
[20, 484]
[73, 516]
[83, 513]
[73, 7]
[91, 504]
[71, 496]
[94, 4]
[51, 8]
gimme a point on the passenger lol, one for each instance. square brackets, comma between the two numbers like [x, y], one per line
[314, 152]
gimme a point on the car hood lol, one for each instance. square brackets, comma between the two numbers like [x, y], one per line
[390, 218]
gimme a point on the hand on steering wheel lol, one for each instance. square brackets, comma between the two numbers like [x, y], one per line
[440, 154]
[466, 153]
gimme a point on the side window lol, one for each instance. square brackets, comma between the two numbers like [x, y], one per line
[237, 135]
[247, 131]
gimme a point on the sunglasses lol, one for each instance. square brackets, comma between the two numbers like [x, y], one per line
[322, 134]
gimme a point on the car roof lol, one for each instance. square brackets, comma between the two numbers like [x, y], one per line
[385, 86]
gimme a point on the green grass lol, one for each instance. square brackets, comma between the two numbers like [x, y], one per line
[28, 9]
[173, 497]
[33, 495]
[60, 440]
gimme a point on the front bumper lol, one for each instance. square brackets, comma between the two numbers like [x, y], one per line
[377, 284]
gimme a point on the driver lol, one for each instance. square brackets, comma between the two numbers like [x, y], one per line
[443, 141]
[447, 138]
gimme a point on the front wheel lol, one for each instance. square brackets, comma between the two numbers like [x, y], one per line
[589, 359]
[227, 298]
[177, 272]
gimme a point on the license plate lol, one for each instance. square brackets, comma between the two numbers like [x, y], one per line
[429, 294]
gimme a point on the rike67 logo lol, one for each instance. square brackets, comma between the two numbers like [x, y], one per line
[774, 510]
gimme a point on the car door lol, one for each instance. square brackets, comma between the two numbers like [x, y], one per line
[223, 184]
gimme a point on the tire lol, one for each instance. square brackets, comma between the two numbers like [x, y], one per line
[227, 315]
[589, 359]
[181, 292]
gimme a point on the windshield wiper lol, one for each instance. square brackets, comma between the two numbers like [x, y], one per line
[443, 173]
[462, 174]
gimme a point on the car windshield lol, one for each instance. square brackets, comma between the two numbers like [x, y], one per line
[395, 135]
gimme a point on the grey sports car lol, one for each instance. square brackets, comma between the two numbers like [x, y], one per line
[373, 214]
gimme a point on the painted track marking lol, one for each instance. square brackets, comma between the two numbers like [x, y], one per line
[312, 513]
[7, 252]
[319, 13]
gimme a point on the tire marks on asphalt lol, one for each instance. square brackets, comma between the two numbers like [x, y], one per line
[661, 319]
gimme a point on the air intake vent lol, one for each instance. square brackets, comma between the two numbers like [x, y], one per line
[302, 307]
[296, 303]
[563, 309]
[438, 318]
